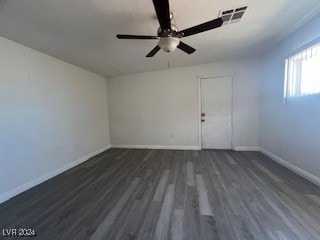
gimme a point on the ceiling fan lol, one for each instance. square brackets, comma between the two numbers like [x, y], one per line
[168, 34]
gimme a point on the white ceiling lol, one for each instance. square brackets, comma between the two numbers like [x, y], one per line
[82, 32]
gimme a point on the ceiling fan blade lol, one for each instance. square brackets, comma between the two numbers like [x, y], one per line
[163, 13]
[153, 51]
[125, 36]
[201, 27]
[186, 48]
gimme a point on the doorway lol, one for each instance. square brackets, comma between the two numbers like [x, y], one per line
[216, 112]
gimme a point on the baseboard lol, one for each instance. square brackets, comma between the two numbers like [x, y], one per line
[173, 147]
[7, 195]
[249, 149]
[292, 167]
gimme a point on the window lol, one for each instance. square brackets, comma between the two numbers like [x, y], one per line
[302, 75]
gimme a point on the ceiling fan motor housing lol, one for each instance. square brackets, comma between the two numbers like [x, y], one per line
[167, 32]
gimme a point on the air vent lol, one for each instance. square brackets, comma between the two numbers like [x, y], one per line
[232, 15]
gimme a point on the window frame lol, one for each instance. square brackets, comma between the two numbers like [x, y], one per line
[286, 60]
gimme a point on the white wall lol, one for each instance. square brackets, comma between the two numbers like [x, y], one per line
[146, 108]
[290, 131]
[51, 115]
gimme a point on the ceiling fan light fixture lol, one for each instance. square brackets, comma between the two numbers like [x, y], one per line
[168, 44]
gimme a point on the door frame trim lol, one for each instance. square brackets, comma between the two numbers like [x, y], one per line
[200, 103]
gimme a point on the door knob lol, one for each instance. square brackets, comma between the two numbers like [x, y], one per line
[202, 120]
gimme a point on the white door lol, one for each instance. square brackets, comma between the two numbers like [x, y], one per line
[216, 112]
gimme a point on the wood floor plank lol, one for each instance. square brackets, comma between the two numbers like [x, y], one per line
[190, 174]
[109, 220]
[177, 225]
[192, 214]
[163, 225]
[204, 205]
[266, 171]
[162, 186]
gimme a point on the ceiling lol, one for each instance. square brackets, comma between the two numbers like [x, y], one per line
[82, 32]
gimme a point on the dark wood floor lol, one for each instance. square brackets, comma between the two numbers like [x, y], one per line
[167, 194]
